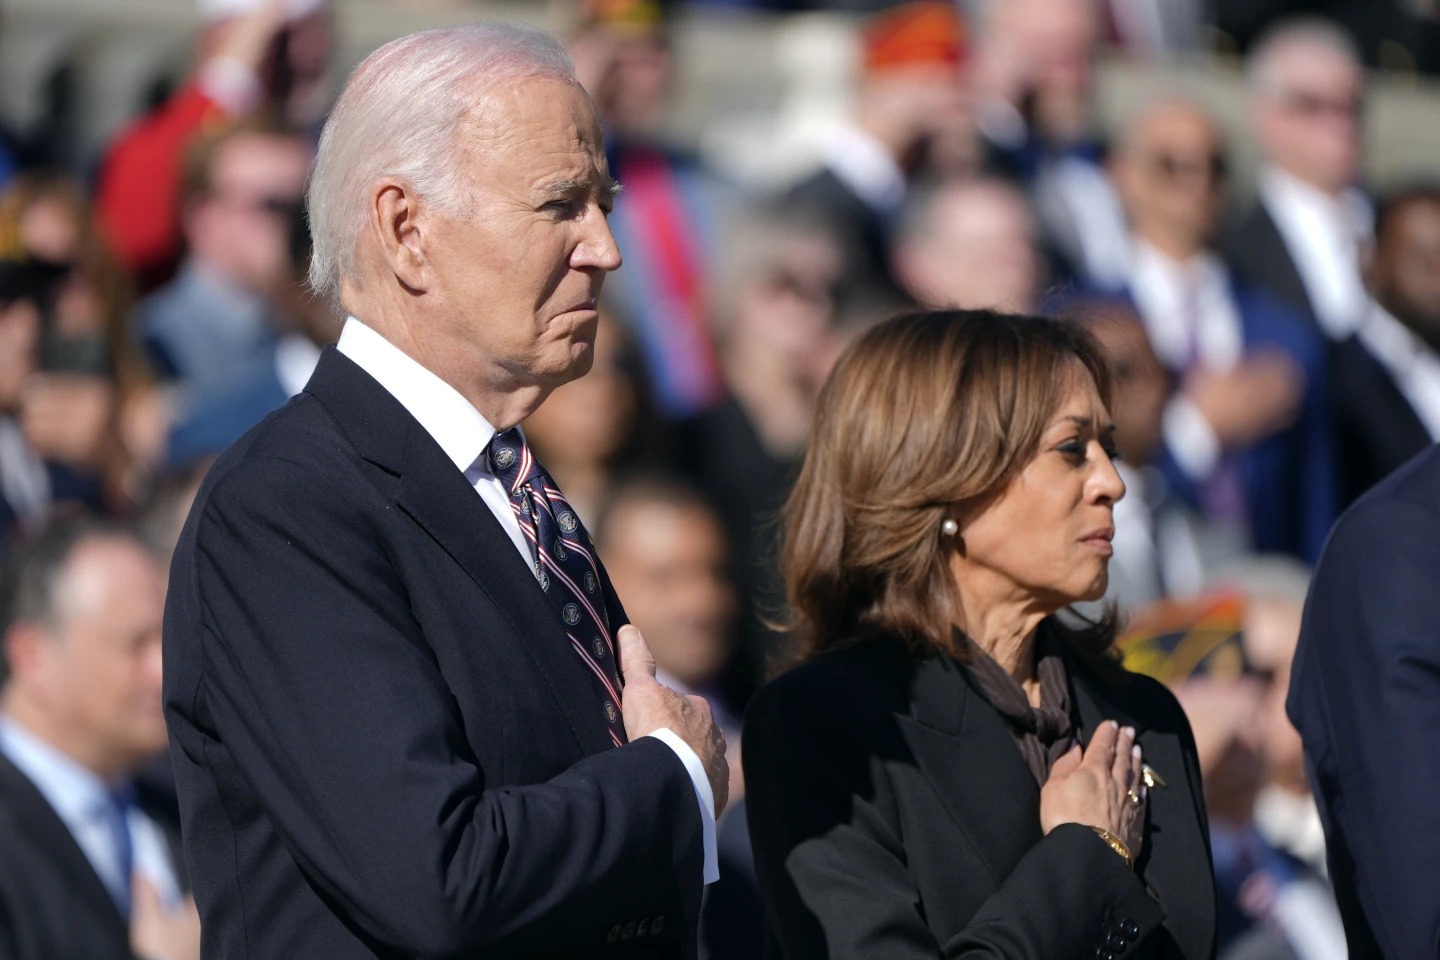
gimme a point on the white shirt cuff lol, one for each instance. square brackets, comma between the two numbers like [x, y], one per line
[703, 794]
[1190, 437]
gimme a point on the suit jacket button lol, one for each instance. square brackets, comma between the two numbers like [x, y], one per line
[644, 928]
[657, 925]
[629, 931]
[1130, 929]
[613, 935]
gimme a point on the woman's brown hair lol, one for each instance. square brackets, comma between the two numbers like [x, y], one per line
[925, 416]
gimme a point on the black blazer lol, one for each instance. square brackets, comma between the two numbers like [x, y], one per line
[1377, 430]
[1256, 253]
[384, 745]
[52, 902]
[893, 817]
[1365, 696]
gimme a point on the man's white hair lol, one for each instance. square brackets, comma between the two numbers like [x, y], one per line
[1264, 65]
[402, 114]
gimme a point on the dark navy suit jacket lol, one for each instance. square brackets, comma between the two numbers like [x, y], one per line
[1289, 479]
[1365, 695]
[384, 745]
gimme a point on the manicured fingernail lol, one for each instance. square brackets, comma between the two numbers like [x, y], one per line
[1130, 732]
[1135, 751]
[1114, 724]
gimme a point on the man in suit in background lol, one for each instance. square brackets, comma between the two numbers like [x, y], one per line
[1247, 433]
[88, 857]
[393, 660]
[1365, 696]
[910, 95]
[1301, 240]
[1386, 378]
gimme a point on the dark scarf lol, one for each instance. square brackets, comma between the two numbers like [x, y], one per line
[1042, 733]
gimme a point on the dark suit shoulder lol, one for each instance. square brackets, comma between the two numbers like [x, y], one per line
[848, 686]
[1409, 495]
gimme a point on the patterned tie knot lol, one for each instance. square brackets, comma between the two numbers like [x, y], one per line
[512, 461]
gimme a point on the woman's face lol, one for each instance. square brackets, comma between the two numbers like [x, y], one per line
[1046, 539]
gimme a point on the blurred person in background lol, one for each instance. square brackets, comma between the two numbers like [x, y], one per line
[1033, 78]
[910, 94]
[1248, 440]
[779, 331]
[95, 380]
[251, 56]
[1229, 666]
[596, 426]
[673, 219]
[1386, 378]
[215, 319]
[970, 243]
[1302, 238]
[25, 487]
[665, 551]
[304, 323]
[1365, 696]
[89, 859]
[1164, 548]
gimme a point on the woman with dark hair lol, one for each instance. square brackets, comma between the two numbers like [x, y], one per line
[954, 771]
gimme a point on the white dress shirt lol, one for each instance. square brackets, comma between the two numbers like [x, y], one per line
[1324, 235]
[1412, 363]
[1191, 318]
[864, 165]
[82, 801]
[463, 434]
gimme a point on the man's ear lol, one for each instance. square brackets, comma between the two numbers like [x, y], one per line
[23, 650]
[397, 221]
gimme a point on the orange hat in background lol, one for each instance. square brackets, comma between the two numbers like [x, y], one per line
[915, 34]
[624, 14]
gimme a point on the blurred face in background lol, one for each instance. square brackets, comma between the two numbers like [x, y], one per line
[1308, 113]
[1404, 269]
[94, 673]
[19, 350]
[1171, 176]
[626, 69]
[667, 561]
[1139, 382]
[976, 247]
[240, 225]
[588, 420]
[1272, 631]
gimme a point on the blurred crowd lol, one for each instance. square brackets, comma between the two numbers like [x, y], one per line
[1274, 354]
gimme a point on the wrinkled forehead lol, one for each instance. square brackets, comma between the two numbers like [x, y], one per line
[539, 116]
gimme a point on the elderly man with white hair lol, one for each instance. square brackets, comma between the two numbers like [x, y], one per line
[393, 660]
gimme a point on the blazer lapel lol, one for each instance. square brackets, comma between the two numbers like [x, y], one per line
[433, 493]
[39, 821]
[1176, 833]
[963, 748]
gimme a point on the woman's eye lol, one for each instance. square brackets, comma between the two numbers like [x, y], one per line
[1114, 454]
[1072, 448]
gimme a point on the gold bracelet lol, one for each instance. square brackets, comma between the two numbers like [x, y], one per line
[1116, 844]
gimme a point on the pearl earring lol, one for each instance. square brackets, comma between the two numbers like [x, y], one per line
[949, 527]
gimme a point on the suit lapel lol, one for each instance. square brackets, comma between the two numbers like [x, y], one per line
[963, 748]
[42, 825]
[433, 493]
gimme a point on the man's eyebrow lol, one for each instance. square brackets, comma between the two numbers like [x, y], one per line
[576, 185]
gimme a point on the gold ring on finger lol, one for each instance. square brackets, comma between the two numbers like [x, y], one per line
[1134, 797]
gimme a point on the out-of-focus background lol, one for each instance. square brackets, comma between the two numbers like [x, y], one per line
[1241, 198]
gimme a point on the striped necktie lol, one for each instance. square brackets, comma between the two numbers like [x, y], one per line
[565, 564]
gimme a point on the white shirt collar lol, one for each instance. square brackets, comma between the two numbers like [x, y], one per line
[864, 165]
[1412, 363]
[75, 792]
[1159, 284]
[447, 416]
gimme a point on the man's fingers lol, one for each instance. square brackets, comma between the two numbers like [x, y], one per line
[636, 663]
